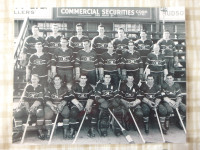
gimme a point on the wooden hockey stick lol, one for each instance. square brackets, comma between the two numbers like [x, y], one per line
[54, 125]
[179, 116]
[137, 126]
[24, 133]
[79, 128]
[127, 136]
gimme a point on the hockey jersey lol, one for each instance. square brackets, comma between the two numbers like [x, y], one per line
[167, 48]
[120, 45]
[53, 43]
[144, 47]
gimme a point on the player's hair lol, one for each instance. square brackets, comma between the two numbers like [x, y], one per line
[39, 43]
[150, 75]
[154, 45]
[35, 26]
[84, 74]
[131, 41]
[63, 38]
[86, 40]
[35, 75]
[166, 31]
[121, 29]
[57, 76]
[129, 74]
[102, 26]
[170, 74]
[79, 25]
[107, 74]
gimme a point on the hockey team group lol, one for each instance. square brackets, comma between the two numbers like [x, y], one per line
[116, 83]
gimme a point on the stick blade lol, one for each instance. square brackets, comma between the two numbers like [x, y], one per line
[128, 137]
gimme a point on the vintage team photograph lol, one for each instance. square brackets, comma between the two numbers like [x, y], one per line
[94, 75]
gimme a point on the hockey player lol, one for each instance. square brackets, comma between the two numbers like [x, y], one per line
[53, 41]
[172, 97]
[86, 63]
[55, 103]
[82, 101]
[110, 63]
[62, 62]
[143, 46]
[76, 42]
[151, 93]
[156, 65]
[131, 62]
[32, 103]
[39, 63]
[107, 96]
[121, 43]
[29, 45]
[168, 49]
[129, 92]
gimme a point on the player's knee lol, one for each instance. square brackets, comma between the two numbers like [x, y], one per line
[17, 113]
[74, 112]
[65, 112]
[139, 113]
[48, 113]
[162, 110]
[40, 113]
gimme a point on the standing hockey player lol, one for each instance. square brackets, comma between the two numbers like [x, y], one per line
[53, 41]
[120, 43]
[109, 63]
[151, 93]
[55, 103]
[131, 62]
[156, 65]
[168, 49]
[172, 97]
[107, 96]
[29, 45]
[76, 42]
[86, 63]
[143, 46]
[31, 104]
[63, 62]
[83, 101]
[129, 92]
[39, 63]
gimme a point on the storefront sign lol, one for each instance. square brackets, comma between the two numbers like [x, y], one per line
[172, 14]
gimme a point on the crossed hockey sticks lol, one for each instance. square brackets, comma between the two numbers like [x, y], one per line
[24, 133]
[54, 125]
[127, 136]
[79, 128]
[179, 116]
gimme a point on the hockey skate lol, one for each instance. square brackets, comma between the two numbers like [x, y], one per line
[65, 136]
[41, 134]
[146, 127]
[71, 133]
[167, 124]
[102, 127]
[163, 128]
[91, 132]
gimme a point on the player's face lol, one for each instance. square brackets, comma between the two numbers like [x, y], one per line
[166, 35]
[150, 80]
[63, 43]
[101, 30]
[156, 49]
[86, 45]
[110, 47]
[55, 29]
[143, 35]
[34, 80]
[107, 79]
[57, 81]
[130, 79]
[120, 33]
[35, 31]
[130, 46]
[39, 48]
[79, 30]
[170, 79]
[83, 79]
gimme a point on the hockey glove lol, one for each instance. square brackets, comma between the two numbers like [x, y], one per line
[77, 104]
[88, 106]
[61, 105]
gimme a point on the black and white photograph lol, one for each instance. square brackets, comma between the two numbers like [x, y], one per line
[99, 75]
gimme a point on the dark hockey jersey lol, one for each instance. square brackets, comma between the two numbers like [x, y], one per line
[144, 47]
[106, 91]
[33, 94]
[156, 62]
[172, 92]
[39, 65]
[83, 93]
[131, 62]
[87, 61]
[109, 62]
[120, 45]
[53, 43]
[167, 48]
[129, 93]
[150, 93]
[63, 59]
[100, 44]
[76, 43]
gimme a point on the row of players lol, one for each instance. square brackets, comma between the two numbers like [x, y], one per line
[99, 57]
[73, 100]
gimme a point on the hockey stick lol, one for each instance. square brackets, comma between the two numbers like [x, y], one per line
[54, 125]
[159, 126]
[137, 126]
[24, 133]
[179, 116]
[79, 128]
[127, 136]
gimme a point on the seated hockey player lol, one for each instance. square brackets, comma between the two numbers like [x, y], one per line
[109, 63]
[55, 103]
[82, 101]
[31, 104]
[172, 98]
[151, 93]
[107, 96]
[129, 92]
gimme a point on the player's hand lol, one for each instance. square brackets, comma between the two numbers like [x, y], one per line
[61, 106]
[157, 101]
[54, 108]
[171, 103]
[32, 110]
[176, 105]
[79, 106]
[88, 109]
[151, 104]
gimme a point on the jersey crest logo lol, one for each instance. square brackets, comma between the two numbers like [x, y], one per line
[88, 59]
[102, 45]
[54, 45]
[82, 95]
[55, 96]
[33, 95]
[31, 45]
[157, 62]
[64, 59]
[78, 44]
[38, 62]
[121, 46]
[111, 61]
[131, 61]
